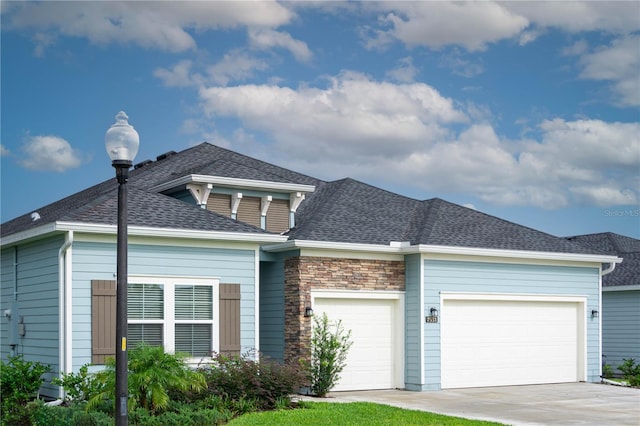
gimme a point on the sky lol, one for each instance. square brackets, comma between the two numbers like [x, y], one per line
[529, 111]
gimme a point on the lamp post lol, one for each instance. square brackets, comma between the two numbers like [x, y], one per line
[121, 142]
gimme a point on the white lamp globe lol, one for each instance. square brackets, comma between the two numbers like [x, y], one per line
[122, 140]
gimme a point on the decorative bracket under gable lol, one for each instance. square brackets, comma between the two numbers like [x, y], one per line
[235, 203]
[200, 192]
[295, 198]
[264, 205]
[294, 201]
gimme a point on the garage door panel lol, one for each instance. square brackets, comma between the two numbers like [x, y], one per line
[369, 363]
[493, 343]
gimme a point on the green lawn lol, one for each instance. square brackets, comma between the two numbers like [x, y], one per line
[353, 413]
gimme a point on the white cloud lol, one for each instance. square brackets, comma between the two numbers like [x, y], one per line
[608, 194]
[617, 17]
[462, 67]
[4, 151]
[405, 72]
[235, 66]
[352, 115]
[178, 76]
[49, 153]
[478, 24]
[159, 25]
[620, 64]
[430, 23]
[266, 39]
[409, 135]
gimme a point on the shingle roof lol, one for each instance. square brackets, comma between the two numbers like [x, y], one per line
[341, 211]
[445, 223]
[625, 273]
[149, 209]
[156, 210]
[207, 159]
[354, 212]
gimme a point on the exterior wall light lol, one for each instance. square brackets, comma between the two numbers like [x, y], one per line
[433, 312]
[594, 313]
[308, 312]
[121, 142]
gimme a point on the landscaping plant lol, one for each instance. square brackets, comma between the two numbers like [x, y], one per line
[630, 371]
[244, 383]
[20, 381]
[330, 344]
[153, 374]
[79, 387]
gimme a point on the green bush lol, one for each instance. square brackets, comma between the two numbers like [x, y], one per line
[329, 347]
[74, 415]
[246, 385]
[630, 371]
[607, 371]
[20, 381]
[81, 386]
[153, 374]
[183, 415]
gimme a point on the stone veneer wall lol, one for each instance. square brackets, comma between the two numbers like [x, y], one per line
[303, 274]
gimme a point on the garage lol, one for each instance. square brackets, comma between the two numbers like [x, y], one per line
[495, 341]
[375, 320]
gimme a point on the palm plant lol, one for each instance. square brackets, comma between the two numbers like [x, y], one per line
[152, 374]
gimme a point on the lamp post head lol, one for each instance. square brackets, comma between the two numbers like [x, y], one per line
[122, 141]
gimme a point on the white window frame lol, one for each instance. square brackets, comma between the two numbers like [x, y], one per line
[168, 322]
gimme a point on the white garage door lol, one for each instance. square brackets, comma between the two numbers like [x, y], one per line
[498, 342]
[370, 361]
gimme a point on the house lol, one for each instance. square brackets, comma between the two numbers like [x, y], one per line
[620, 296]
[227, 252]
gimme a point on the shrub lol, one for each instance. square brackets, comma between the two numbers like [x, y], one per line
[329, 347]
[75, 415]
[607, 371]
[246, 385]
[81, 386]
[630, 371]
[153, 374]
[20, 381]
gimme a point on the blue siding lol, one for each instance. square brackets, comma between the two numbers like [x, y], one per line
[272, 309]
[412, 359]
[36, 302]
[93, 261]
[480, 277]
[620, 326]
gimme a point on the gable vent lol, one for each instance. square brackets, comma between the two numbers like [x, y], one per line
[165, 155]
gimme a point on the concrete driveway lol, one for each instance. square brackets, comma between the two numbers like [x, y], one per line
[558, 404]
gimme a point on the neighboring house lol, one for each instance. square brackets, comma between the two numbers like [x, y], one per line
[226, 253]
[620, 296]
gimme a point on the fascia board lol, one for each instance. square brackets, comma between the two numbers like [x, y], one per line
[621, 287]
[171, 232]
[452, 250]
[139, 231]
[328, 245]
[28, 234]
[235, 183]
[538, 255]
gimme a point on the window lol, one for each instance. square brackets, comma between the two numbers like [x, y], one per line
[180, 314]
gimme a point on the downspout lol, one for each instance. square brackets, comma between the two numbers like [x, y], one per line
[64, 289]
[15, 273]
[610, 269]
[603, 272]
[15, 297]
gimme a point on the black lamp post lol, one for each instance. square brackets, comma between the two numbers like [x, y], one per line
[121, 141]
